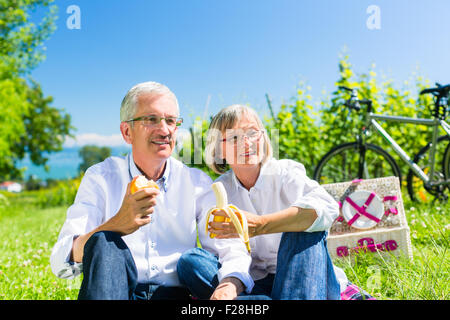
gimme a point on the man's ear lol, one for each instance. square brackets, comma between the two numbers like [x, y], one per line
[125, 129]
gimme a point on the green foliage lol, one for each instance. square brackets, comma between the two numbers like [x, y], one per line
[62, 194]
[21, 40]
[29, 124]
[192, 151]
[296, 127]
[92, 154]
[33, 183]
[4, 202]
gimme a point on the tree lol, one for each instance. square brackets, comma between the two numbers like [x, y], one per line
[30, 125]
[92, 154]
[21, 40]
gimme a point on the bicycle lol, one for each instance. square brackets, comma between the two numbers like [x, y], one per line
[363, 160]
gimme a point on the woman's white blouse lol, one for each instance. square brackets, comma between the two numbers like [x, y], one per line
[280, 185]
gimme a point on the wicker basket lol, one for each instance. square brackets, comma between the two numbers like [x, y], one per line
[389, 235]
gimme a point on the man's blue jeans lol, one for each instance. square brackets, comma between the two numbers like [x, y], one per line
[304, 271]
[109, 273]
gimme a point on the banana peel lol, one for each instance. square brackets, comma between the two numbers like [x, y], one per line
[234, 215]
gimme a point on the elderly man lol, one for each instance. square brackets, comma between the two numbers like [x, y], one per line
[127, 245]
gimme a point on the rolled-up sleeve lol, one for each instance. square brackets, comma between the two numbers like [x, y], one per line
[304, 192]
[84, 215]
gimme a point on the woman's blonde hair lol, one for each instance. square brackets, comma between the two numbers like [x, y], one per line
[226, 119]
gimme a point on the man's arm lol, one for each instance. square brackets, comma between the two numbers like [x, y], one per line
[133, 214]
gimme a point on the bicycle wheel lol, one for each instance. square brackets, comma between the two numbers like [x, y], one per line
[416, 188]
[342, 162]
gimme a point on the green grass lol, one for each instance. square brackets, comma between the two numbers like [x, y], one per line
[28, 233]
[426, 277]
[27, 236]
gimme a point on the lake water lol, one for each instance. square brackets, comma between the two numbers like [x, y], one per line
[63, 164]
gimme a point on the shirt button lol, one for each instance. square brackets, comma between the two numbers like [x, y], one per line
[153, 244]
[154, 267]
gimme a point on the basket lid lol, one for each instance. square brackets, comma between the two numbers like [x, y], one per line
[362, 209]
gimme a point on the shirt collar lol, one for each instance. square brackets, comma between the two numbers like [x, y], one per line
[162, 182]
[259, 185]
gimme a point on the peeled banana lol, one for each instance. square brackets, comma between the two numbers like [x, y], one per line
[234, 214]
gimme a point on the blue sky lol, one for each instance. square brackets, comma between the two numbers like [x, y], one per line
[232, 51]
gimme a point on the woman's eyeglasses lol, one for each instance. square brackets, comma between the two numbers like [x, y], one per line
[251, 135]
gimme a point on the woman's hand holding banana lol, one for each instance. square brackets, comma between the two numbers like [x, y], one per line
[228, 221]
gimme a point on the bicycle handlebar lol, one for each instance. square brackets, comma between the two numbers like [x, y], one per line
[345, 88]
[442, 94]
[439, 90]
[352, 106]
[354, 102]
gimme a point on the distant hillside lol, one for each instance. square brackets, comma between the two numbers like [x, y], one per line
[63, 164]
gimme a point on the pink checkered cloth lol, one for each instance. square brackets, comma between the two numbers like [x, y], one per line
[353, 292]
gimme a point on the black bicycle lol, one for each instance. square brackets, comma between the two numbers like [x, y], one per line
[426, 180]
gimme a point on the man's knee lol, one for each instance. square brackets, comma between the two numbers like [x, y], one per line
[104, 244]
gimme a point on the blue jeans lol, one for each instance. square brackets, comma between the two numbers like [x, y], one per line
[109, 273]
[304, 271]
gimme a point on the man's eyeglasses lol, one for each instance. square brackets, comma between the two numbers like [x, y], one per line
[150, 121]
[251, 135]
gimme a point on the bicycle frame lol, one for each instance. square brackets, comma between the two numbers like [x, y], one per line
[435, 123]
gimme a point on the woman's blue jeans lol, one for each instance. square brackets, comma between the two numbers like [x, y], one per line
[304, 271]
[109, 273]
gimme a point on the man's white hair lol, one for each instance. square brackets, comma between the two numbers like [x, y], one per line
[129, 103]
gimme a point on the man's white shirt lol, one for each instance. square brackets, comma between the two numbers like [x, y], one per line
[185, 197]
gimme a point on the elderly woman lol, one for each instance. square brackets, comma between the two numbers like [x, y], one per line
[288, 215]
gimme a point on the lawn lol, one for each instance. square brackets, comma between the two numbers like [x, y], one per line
[27, 235]
[28, 232]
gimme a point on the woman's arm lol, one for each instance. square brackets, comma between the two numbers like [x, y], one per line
[292, 219]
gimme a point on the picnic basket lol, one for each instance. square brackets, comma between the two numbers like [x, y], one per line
[361, 226]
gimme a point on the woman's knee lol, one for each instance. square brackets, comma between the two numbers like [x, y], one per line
[191, 259]
[197, 264]
[197, 270]
[295, 242]
[303, 267]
